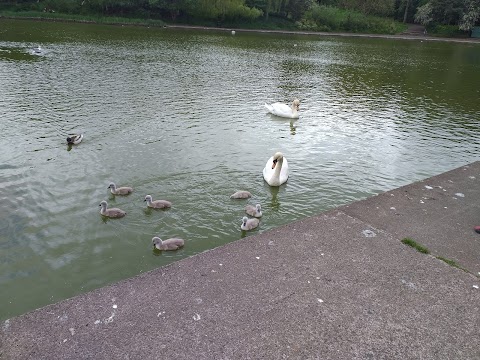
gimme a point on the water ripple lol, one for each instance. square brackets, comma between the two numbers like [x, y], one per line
[179, 115]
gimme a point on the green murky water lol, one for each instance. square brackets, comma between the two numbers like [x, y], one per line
[179, 114]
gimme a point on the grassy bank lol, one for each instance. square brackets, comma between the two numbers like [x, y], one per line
[319, 18]
[448, 31]
[80, 18]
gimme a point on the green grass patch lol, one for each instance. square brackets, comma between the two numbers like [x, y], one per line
[451, 263]
[329, 18]
[424, 250]
[81, 18]
[415, 245]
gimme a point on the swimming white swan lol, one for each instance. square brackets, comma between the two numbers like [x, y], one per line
[242, 194]
[169, 244]
[74, 139]
[275, 172]
[112, 212]
[124, 190]
[284, 110]
[157, 204]
[249, 224]
[254, 210]
[37, 50]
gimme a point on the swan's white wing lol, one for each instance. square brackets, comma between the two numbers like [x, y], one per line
[267, 170]
[280, 108]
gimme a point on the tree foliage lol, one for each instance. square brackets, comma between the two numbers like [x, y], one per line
[463, 13]
[370, 7]
[424, 14]
[470, 16]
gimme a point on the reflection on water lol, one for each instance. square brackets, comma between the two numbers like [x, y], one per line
[293, 129]
[179, 115]
[274, 201]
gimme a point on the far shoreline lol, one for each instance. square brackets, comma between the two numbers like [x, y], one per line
[239, 30]
[340, 34]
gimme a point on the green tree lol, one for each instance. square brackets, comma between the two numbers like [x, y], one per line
[424, 14]
[405, 10]
[471, 15]
[297, 8]
[449, 12]
[171, 8]
[222, 9]
[371, 7]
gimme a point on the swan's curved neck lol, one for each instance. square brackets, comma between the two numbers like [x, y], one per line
[149, 201]
[104, 208]
[294, 110]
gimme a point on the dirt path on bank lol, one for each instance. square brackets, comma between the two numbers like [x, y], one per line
[342, 34]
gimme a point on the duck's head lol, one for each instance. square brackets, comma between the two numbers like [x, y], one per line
[103, 204]
[111, 186]
[70, 140]
[276, 158]
[148, 198]
[258, 207]
[244, 220]
[156, 241]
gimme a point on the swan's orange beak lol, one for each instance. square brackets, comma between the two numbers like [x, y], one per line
[274, 163]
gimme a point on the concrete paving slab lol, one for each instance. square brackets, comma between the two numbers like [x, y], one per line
[327, 287]
[439, 213]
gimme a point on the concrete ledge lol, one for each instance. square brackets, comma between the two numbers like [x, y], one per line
[439, 212]
[336, 286]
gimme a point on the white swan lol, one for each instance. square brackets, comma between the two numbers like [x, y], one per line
[37, 50]
[169, 244]
[284, 110]
[275, 172]
[74, 139]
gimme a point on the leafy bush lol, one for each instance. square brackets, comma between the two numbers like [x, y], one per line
[242, 11]
[446, 31]
[335, 19]
[307, 25]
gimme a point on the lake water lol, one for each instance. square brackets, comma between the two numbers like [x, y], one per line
[179, 114]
